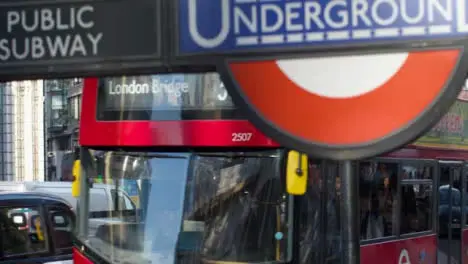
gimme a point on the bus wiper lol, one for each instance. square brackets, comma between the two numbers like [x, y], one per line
[149, 155]
[238, 155]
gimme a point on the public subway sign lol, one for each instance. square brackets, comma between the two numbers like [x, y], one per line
[87, 37]
[339, 79]
[52, 46]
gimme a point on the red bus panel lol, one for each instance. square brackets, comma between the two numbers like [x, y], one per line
[412, 250]
[464, 252]
[416, 152]
[163, 110]
[79, 258]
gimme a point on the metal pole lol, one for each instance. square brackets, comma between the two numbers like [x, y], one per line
[83, 201]
[349, 217]
[5, 176]
[45, 124]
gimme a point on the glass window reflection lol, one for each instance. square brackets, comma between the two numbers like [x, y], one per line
[320, 215]
[310, 216]
[205, 208]
[417, 198]
[378, 199]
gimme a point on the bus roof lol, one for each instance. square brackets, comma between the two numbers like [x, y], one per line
[194, 110]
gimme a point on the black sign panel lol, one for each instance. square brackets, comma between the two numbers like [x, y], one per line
[164, 97]
[85, 38]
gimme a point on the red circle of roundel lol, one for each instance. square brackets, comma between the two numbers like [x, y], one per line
[359, 120]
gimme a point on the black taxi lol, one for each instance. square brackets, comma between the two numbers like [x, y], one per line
[35, 228]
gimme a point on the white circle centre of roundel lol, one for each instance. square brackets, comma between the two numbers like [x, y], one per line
[342, 76]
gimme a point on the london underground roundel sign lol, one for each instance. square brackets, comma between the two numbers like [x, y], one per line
[340, 79]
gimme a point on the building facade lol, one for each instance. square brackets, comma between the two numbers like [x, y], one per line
[62, 113]
[28, 136]
[22, 131]
[7, 162]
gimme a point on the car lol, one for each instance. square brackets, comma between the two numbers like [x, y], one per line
[102, 195]
[35, 227]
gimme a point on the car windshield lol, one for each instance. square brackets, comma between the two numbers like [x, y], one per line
[189, 208]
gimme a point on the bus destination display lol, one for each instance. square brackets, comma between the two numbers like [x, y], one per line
[164, 92]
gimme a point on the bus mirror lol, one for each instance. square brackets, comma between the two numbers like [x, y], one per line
[76, 178]
[296, 173]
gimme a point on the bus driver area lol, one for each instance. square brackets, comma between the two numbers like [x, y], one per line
[224, 198]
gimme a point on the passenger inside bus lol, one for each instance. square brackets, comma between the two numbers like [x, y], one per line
[416, 208]
[449, 200]
[377, 194]
[408, 208]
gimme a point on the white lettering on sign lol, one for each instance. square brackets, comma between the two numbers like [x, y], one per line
[404, 257]
[156, 86]
[295, 21]
[53, 21]
[241, 137]
[224, 94]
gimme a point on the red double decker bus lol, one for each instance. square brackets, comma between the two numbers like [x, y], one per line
[211, 188]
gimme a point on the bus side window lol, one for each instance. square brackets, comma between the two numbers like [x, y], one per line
[417, 198]
[377, 193]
